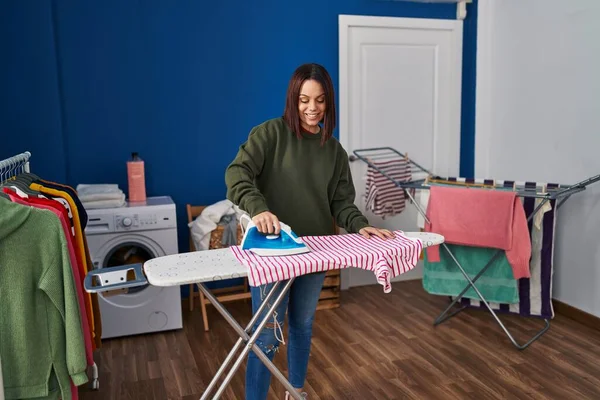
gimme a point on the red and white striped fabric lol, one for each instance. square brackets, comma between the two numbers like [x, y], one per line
[382, 196]
[386, 258]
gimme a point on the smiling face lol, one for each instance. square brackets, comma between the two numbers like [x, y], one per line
[311, 105]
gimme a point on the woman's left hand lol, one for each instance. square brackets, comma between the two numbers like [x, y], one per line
[382, 233]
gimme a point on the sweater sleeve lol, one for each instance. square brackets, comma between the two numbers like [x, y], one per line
[343, 209]
[241, 173]
[58, 283]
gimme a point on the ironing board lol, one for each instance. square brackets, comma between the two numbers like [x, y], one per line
[200, 267]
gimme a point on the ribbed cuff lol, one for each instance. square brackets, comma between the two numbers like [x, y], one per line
[359, 224]
[79, 378]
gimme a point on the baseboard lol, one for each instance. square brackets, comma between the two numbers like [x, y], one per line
[584, 318]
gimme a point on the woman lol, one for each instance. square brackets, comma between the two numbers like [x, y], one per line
[292, 169]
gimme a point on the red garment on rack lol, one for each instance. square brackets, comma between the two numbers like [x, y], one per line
[480, 218]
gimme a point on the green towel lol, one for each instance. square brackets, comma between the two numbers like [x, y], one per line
[497, 284]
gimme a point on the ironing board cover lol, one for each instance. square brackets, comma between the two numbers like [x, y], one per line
[221, 264]
[385, 258]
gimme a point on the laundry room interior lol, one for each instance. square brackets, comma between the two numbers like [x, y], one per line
[143, 153]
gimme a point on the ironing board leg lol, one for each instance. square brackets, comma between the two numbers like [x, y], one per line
[471, 283]
[229, 319]
[249, 340]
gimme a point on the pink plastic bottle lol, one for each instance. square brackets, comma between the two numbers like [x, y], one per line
[136, 179]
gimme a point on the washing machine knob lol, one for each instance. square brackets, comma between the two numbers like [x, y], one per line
[127, 221]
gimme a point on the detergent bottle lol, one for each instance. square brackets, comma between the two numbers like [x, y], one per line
[136, 178]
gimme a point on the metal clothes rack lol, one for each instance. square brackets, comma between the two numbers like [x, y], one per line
[376, 156]
[14, 165]
[10, 168]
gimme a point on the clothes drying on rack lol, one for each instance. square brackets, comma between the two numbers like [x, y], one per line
[480, 218]
[50, 328]
[497, 284]
[539, 202]
[382, 196]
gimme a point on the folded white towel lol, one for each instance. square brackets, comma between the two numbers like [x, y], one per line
[97, 188]
[114, 203]
[100, 196]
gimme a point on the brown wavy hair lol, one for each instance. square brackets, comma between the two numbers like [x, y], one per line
[291, 115]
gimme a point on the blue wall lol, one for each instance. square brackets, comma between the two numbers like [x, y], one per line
[180, 82]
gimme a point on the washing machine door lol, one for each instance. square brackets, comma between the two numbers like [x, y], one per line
[127, 250]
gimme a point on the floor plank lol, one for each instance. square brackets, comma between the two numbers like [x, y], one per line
[375, 346]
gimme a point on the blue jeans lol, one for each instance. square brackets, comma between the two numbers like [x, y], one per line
[301, 304]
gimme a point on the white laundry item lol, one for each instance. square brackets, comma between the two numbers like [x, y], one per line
[423, 200]
[118, 202]
[100, 196]
[96, 188]
[207, 221]
[539, 216]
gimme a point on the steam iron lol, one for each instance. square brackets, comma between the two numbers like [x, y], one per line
[284, 244]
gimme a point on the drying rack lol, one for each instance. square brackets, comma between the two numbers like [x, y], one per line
[423, 179]
[14, 166]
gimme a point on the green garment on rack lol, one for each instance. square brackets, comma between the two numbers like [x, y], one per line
[497, 284]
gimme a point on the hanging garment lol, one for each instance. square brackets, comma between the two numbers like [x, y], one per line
[382, 196]
[61, 214]
[41, 330]
[83, 218]
[83, 250]
[496, 284]
[385, 258]
[535, 292]
[27, 184]
[481, 218]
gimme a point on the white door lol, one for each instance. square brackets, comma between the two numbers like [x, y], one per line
[400, 86]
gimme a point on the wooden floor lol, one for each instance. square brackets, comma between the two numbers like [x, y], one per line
[375, 346]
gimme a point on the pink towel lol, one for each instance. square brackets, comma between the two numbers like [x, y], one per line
[386, 258]
[481, 218]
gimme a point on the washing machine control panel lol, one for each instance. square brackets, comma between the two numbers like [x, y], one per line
[132, 221]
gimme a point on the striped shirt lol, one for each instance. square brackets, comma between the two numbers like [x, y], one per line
[385, 258]
[382, 196]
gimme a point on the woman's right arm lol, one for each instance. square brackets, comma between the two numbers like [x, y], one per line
[241, 173]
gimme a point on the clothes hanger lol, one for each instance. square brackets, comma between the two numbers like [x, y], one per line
[19, 179]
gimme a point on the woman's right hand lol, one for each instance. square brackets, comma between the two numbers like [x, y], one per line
[267, 222]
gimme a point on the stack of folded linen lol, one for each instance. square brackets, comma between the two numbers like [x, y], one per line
[101, 196]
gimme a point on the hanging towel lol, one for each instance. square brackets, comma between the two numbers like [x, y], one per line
[385, 258]
[535, 293]
[496, 284]
[382, 196]
[482, 218]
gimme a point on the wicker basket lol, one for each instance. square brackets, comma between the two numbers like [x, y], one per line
[216, 237]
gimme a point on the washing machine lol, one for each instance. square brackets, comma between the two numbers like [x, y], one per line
[128, 235]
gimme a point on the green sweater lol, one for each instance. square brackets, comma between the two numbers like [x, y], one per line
[40, 323]
[303, 183]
